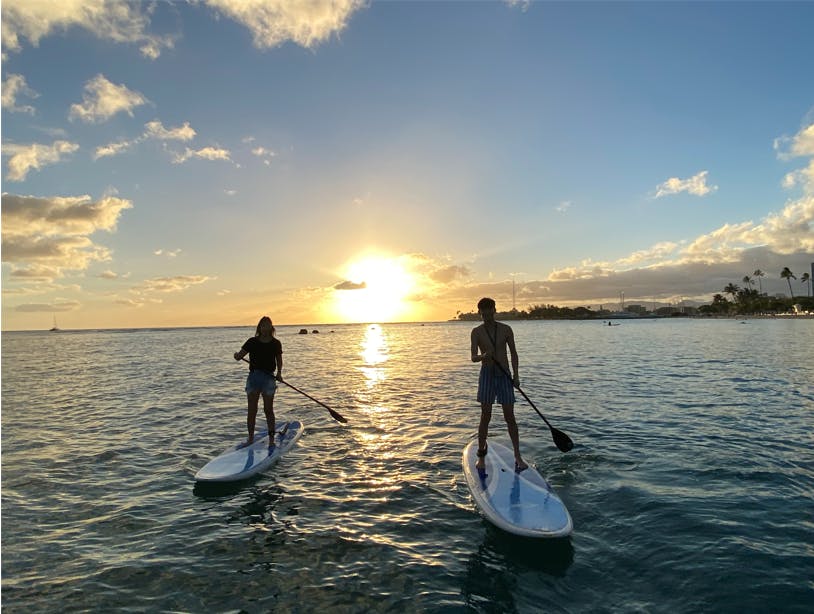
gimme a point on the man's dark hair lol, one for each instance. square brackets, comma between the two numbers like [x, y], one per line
[486, 303]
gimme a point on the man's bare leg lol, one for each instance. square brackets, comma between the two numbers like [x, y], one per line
[514, 435]
[483, 433]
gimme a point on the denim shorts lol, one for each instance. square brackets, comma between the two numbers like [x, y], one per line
[260, 381]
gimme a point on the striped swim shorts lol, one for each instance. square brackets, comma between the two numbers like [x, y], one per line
[494, 386]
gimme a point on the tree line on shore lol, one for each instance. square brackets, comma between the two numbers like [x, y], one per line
[750, 300]
[745, 300]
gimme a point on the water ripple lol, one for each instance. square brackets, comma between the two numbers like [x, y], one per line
[690, 482]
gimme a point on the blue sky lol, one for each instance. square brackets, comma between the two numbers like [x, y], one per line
[170, 164]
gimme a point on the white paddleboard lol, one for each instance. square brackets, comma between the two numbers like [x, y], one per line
[240, 462]
[520, 503]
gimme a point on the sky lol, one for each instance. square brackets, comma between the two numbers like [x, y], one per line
[206, 163]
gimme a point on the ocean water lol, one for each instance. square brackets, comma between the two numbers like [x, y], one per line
[691, 483]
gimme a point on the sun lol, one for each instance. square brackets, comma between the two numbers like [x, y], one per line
[378, 291]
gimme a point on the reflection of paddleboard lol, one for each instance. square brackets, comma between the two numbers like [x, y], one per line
[520, 503]
[240, 462]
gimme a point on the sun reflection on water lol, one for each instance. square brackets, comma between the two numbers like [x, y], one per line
[374, 353]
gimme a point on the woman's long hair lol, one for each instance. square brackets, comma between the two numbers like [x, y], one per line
[263, 319]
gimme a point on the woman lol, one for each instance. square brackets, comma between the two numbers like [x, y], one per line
[265, 356]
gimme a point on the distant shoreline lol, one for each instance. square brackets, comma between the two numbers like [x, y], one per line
[784, 316]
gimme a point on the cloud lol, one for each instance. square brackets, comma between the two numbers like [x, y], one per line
[156, 130]
[656, 252]
[206, 153]
[48, 307]
[138, 301]
[801, 144]
[35, 273]
[103, 99]
[350, 285]
[25, 158]
[13, 86]
[696, 185]
[112, 275]
[523, 5]
[172, 284]
[264, 153]
[801, 177]
[450, 273]
[168, 253]
[44, 237]
[274, 22]
[120, 22]
[153, 130]
[112, 149]
[564, 206]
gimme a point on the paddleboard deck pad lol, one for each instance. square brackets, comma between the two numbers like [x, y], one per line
[240, 461]
[519, 503]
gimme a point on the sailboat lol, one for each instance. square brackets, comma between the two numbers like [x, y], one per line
[54, 328]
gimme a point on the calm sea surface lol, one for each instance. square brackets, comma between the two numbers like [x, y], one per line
[691, 484]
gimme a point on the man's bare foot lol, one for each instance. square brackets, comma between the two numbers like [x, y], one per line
[519, 465]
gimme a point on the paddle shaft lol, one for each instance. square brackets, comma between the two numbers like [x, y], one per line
[561, 440]
[335, 415]
[525, 396]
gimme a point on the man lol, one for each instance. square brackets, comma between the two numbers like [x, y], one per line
[489, 343]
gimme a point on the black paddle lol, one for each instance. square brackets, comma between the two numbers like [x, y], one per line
[336, 416]
[561, 440]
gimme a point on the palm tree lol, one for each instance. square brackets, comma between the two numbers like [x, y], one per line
[732, 289]
[748, 281]
[758, 273]
[788, 276]
[806, 279]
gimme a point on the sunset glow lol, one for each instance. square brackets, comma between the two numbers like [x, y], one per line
[312, 173]
[378, 291]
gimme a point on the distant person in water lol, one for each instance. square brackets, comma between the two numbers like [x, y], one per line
[489, 343]
[265, 357]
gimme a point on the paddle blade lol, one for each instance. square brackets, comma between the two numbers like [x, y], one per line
[561, 440]
[337, 417]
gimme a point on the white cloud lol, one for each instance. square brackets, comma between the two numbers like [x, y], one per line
[108, 274]
[172, 284]
[24, 158]
[14, 86]
[695, 185]
[167, 252]
[112, 149]
[153, 130]
[801, 144]
[114, 20]
[103, 99]
[655, 253]
[44, 237]
[206, 153]
[563, 206]
[156, 130]
[274, 22]
[264, 153]
[802, 176]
